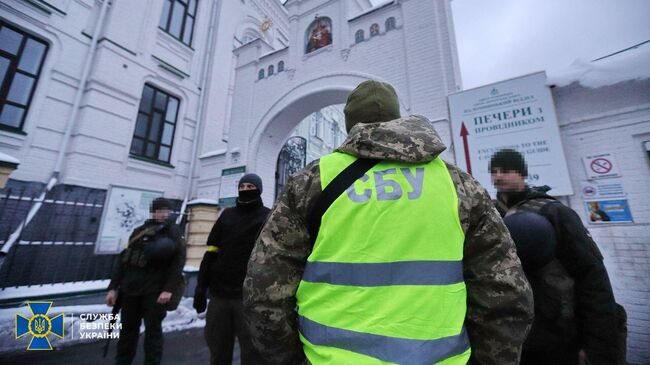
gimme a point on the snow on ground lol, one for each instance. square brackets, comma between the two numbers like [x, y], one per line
[52, 289]
[184, 317]
[632, 64]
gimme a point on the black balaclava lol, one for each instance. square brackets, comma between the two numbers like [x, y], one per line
[248, 196]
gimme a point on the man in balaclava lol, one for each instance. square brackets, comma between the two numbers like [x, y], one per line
[409, 264]
[223, 269]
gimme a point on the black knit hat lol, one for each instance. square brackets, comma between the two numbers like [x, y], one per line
[509, 160]
[252, 179]
[160, 204]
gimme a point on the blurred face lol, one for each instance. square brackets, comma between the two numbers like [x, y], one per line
[160, 214]
[507, 181]
[246, 186]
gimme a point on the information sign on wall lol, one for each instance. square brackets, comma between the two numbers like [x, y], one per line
[230, 186]
[518, 114]
[124, 210]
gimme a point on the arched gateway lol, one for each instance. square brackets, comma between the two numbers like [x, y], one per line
[326, 59]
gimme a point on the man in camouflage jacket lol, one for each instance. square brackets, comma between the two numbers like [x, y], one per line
[499, 298]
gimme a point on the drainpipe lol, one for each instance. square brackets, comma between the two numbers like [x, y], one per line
[200, 108]
[66, 138]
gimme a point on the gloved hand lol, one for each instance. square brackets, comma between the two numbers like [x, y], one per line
[200, 300]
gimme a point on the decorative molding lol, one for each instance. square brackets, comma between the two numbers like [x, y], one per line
[169, 68]
[40, 6]
[327, 48]
[271, 6]
[345, 53]
[111, 42]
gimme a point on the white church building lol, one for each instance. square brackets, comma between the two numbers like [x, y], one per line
[102, 102]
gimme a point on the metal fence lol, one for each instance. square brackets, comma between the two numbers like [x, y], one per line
[58, 245]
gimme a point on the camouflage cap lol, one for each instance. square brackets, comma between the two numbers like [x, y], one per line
[371, 102]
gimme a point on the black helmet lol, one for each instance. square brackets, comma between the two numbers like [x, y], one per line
[534, 237]
[160, 249]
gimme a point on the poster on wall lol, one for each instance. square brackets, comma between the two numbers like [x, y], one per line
[229, 189]
[517, 114]
[606, 201]
[608, 211]
[124, 210]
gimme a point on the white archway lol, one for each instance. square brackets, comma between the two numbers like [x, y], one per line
[264, 111]
[278, 122]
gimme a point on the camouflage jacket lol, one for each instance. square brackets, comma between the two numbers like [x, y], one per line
[499, 303]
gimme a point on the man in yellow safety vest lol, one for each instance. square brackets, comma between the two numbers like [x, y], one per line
[381, 252]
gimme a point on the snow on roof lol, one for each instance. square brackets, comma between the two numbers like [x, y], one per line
[214, 153]
[6, 158]
[203, 201]
[376, 6]
[629, 64]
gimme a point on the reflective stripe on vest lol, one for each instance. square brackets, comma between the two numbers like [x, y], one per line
[384, 282]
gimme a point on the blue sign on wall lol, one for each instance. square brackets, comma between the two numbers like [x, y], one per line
[608, 211]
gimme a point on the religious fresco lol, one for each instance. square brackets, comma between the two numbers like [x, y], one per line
[319, 34]
[374, 30]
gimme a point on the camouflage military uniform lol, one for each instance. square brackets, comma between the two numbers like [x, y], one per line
[499, 303]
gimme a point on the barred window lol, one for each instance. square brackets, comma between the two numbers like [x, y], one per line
[155, 125]
[390, 23]
[177, 19]
[270, 70]
[359, 36]
[280, 66]
[21, 62]
[260, 74]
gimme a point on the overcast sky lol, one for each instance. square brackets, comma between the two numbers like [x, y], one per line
[501, 39]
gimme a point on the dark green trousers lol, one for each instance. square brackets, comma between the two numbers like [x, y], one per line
[223, 322]
[134, 310]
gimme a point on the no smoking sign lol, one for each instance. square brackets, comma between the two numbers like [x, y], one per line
[601, 166]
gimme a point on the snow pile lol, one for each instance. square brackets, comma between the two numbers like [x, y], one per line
[182, 318]
[203, 201]
[190, 268]
[10, 159]
[632, 64]
[53, 289]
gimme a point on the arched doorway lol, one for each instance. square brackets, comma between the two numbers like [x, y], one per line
[278, 122]
[292, 158]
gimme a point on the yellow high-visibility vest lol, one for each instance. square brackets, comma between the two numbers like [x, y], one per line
[384, 282]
